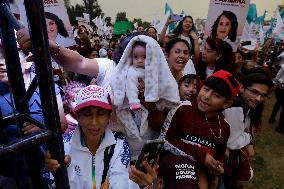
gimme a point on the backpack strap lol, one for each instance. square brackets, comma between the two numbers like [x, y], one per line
[108, 153]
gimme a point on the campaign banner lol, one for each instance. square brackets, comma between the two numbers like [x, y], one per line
[85, 21]
[226, 20]
[57, 21]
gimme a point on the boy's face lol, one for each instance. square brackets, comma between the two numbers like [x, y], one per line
[188, 90]
[139, 56]
[254, 95]
[93, 121]
[211, 102]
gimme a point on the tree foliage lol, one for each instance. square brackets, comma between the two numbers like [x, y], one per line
[140, 22]
[93, 9]
[121, 16]
[89, 6]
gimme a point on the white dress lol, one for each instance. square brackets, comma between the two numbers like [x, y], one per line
[132, 83]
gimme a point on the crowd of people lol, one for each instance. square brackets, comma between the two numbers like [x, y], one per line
[204, 100]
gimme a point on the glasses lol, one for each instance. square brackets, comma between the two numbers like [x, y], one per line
[256, 93]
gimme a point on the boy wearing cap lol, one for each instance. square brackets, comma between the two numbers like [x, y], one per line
[199, 131]
[99, 157]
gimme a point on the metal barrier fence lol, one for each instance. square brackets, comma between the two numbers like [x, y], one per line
[30, 145]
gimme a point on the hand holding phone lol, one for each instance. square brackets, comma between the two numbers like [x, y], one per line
[176, 17]
[150, 153]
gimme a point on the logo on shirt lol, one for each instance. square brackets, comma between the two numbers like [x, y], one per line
[185, 171]
[78, 170]
[200, 140]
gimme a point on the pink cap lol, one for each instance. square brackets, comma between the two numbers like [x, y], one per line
[93, 95]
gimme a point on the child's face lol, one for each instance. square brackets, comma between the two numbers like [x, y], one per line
[211, 102]
[139, 56]
[188, 90]
[93, 121]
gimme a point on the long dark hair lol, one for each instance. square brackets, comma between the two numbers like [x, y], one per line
[173, 41]
[60, 26]
[178, 30]
[234, 25]
[224, 62]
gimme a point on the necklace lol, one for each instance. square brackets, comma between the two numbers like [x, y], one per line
[220, 131]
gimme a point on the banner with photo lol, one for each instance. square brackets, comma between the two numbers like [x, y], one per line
[58, 25]
[226, 20]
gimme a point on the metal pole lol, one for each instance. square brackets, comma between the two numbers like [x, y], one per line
[35, 15]
[16, 82]
[25, 143]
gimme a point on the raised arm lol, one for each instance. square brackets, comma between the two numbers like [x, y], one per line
[196, 50]
[70, 60]
[164, 30]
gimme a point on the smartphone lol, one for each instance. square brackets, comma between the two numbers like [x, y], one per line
[150, 152]
[176, 17]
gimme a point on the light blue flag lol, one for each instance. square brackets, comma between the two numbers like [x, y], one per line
[252, 13]
[260, 19]
[282, 14]
[272, 26]
[169, 10]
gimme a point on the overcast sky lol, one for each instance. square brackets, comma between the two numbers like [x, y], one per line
[148, 9]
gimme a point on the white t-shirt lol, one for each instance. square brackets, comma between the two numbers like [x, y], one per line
[106, 67]
[187, 39]
[189, 68]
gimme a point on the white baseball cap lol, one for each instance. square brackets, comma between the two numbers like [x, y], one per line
[93, 95]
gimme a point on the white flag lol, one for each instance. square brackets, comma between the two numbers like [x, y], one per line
[261, 34]
[279, 28]
[86, 16]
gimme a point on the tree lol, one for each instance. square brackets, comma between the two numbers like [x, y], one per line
[121, 16]
[89, 6]
[92, 8]
[139, 21]
[75, 11]
[108, 20]
[146, 24]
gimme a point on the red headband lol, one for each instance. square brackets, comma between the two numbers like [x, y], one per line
[224, 75]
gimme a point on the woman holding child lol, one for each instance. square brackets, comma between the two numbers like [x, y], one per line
[103, 69]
